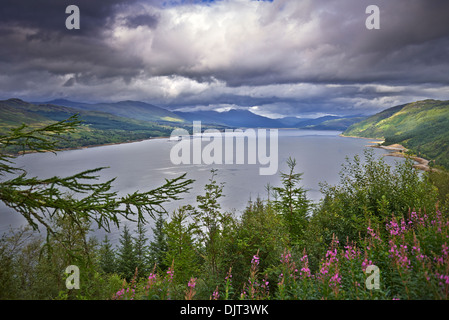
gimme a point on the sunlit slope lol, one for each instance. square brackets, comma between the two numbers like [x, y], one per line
[422, 127]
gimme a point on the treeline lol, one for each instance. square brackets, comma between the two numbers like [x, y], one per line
[281, 247]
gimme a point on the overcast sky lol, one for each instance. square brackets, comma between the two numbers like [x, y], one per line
[283, 57]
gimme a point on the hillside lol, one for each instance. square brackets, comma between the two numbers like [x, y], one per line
[97, 127]
[422, 127]
[337, 123]
[129, 109]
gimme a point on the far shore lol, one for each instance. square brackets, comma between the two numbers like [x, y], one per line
[396, 150]
[91, 146]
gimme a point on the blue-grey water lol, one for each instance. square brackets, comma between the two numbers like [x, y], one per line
[144, 165]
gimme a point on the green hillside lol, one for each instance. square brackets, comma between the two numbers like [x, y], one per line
[422, 127]
[129, 109]
[336, 124]
[97, 127]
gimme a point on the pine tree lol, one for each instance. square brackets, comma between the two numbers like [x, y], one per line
[291, 202]
[107, 256]
[141, 250]
[158, 246]
[181, 246]
[126, 255]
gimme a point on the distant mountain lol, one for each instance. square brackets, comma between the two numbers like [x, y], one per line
[129, 109]
[422, 127]
[247, 119]
[232, 118]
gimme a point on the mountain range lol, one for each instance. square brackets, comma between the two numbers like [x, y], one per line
[422, 126]
[247, 119]
[124, 111]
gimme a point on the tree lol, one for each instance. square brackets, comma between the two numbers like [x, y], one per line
[210, 223]
[181, 247]
[41, 200]
[126, 255]
[291, 202]
[141, 249]
[158, 246]
[260, 229]
[107, 256]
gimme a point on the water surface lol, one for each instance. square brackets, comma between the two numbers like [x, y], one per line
[144, 165]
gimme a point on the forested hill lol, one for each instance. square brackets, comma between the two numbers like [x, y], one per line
[97, 127]
[422, 127]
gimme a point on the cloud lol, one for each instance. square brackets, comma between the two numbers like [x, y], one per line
[283, 57]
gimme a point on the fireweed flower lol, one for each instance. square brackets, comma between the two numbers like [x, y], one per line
[305, 271]
[192, 283]
[440, 260]
[215, 294]
[373, 234]
[281, 279]
[399, 256]
[445, 249]
[170, 273]
[335, 280]
[329, 263]
[350, 252]
[229, 276]
[443, 279]
[255, 260]
[365, 264]
[393, 227]
[285, 257]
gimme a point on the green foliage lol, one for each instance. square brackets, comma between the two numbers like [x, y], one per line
[126, 256]
[210, 224]
[260, 229]
[369, 193]
[182, 251]
[158, 246]
[440, 179]
[291, 202]
[421, 126]
[141, 250]
[107, 256]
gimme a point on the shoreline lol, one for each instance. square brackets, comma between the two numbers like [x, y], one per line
[397, 150]
[21, 153]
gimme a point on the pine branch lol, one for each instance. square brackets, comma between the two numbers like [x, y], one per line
[79, 196]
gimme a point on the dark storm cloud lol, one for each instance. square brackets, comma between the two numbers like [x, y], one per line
[48, 16]
[309, 56]
[34, 38]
